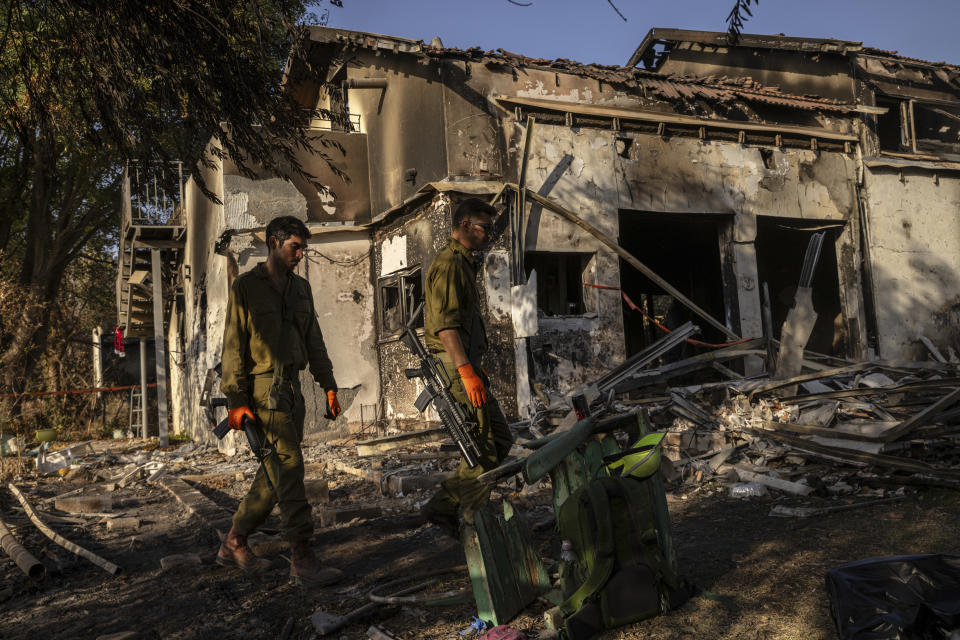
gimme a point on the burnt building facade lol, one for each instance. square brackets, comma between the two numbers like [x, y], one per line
[711, 165]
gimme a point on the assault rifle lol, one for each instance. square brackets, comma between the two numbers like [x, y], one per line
[437, 390]
[249, 424]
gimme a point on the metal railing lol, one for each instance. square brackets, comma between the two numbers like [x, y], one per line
[152, 201]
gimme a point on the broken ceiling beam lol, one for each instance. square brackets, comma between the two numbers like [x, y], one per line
[585, 396]
[918, 419]
[689, 365]
[664, 345]
[631, 259]
[932, 349]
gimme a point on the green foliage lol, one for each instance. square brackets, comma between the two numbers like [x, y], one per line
[155, 80]
[85, 87]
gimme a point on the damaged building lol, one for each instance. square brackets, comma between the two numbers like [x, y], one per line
[709, 165]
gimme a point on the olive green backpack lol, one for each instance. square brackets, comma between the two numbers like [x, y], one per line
[615, 569]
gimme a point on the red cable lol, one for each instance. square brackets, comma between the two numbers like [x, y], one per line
[633, 306]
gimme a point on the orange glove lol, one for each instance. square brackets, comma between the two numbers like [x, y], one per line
[333, 403]
[473, 385]
[236, 416]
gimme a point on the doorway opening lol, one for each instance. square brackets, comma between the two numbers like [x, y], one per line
[781, 245]
[684, 250]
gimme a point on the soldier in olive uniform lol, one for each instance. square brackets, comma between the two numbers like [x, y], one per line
[454, 332]
[270, 335]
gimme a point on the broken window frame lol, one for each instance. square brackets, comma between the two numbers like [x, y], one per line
[532, 262]
[910, 142]
[408, 282]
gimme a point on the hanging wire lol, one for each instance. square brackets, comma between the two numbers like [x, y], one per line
[348, 263]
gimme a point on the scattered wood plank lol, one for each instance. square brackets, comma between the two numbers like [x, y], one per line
[916, 420]
[759, 387]
[858, 458]
[926, 385]
[330, 516]
[102, 503]
[74, 548]
[815, 430]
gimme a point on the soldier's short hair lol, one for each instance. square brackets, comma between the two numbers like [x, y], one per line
[472, 206]
[285, 226]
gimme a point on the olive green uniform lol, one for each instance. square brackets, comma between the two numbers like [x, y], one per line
[268, 338]
[453, 302]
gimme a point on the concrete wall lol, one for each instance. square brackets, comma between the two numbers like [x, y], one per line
[422, 234]
[337, 265]
[403, 124]
[345, 199]
[914, 244]
[577, 169]
[194, 346]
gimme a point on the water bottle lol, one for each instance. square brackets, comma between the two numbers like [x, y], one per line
[748, 490]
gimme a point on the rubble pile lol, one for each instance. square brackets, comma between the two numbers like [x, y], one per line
[840, 429]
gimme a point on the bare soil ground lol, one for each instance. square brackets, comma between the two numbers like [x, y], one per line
[759, 576]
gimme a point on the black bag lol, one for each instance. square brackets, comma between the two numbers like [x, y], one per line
[900, 598]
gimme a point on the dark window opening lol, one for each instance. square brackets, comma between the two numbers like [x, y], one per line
[890, 125]
[390, 307]
[937, 129]
[781, 245]
[768, 161]
[559, 281]
[684, 250]
[400, 294]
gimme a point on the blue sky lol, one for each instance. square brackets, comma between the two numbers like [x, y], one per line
[590, 30]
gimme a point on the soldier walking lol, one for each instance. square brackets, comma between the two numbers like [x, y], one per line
[271, 334]
[455, 333]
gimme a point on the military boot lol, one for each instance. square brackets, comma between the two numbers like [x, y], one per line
[306, 569]
[234, 552]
